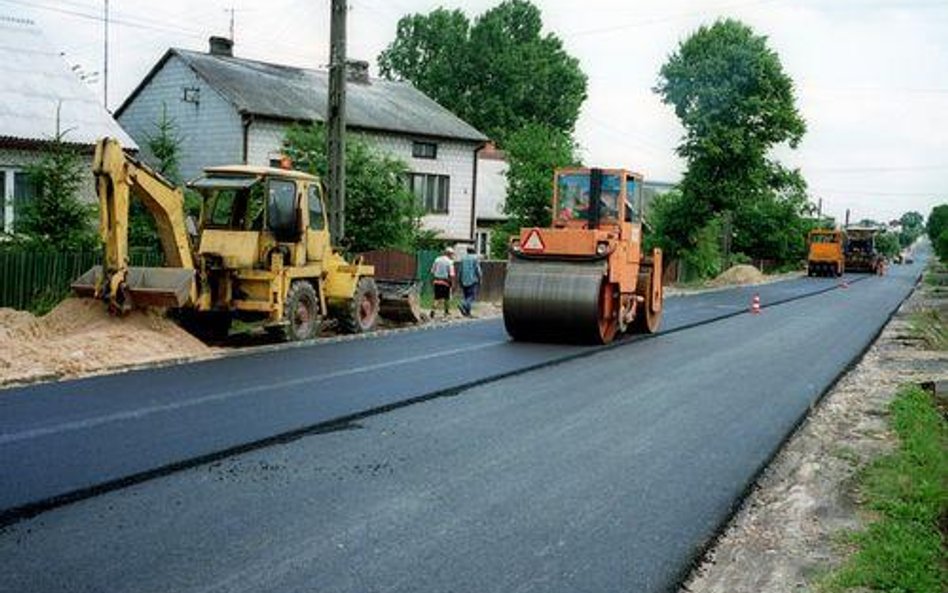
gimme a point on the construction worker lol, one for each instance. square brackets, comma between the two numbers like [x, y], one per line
[442, 277]
[470, 280]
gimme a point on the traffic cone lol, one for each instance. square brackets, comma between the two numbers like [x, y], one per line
[755, 305]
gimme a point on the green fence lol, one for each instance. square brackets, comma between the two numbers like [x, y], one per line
[425, 259]
[28, 275]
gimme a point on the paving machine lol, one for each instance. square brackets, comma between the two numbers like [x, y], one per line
[259, 251]
[825, 253]
[860, 250]
[585, 279]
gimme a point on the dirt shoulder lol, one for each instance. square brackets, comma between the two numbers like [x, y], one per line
[786, 536]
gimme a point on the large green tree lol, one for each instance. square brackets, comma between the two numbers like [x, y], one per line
[380, 211]
[735, 103]
[498, 74]
[533, 153]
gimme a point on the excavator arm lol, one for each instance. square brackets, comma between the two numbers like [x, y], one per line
[118, 177]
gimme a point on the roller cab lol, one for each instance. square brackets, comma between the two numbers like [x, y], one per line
[585, 278]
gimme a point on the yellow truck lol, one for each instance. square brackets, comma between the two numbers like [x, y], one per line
[260, 250]
[826, 253]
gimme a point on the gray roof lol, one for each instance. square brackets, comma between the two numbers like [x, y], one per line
[285, 92]
[34, 79]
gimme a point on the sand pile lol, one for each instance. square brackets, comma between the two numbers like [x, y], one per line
[79, 337]
[740, 274]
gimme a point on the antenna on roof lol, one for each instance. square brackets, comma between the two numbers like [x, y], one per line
[105, 66]
[232, 12]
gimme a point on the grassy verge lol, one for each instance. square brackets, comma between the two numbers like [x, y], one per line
[904, 550]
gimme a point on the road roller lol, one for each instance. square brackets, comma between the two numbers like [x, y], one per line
[585, 279]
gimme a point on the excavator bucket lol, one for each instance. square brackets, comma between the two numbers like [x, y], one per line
[146, 287]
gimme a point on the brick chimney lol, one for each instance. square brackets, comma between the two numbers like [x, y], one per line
[221, 46]
[357, 71]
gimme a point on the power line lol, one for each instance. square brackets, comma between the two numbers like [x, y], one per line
[664, 19]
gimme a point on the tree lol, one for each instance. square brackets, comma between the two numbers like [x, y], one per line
[913, 225]
[888, 244]
[57, 218]
[498, 75]
[380, 211]
[165, 148]
[533, 153]
[735, 102]
[937, 221]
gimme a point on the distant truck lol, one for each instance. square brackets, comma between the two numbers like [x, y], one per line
[860, 250]
[825, 256]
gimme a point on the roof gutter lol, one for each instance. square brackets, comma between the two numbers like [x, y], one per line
[474, 191]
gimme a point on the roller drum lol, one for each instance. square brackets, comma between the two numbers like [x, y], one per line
[554, 301]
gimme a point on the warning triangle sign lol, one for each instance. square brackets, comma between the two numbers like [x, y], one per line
[534, 242]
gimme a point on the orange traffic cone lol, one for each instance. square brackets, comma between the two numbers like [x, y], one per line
[755, 305]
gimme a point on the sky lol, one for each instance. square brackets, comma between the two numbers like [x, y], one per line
[871, 76]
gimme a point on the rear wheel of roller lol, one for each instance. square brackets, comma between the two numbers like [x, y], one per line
[647, 320]
[608, 312]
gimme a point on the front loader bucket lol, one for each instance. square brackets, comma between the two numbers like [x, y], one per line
[147, 287]
[84, 286]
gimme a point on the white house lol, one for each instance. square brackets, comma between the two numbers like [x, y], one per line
[491, 195]
[232, 110]
[39, 92]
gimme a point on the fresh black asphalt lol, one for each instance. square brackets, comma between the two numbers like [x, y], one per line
[603, 473]
[65, 440]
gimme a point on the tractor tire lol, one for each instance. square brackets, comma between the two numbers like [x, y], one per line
[301, 311]
[361, 314]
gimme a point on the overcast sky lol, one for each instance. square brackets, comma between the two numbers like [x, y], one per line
[871, 75]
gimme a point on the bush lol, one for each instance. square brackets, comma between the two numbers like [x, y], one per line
[941, 246]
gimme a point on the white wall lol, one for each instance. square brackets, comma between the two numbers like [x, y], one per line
[455, 159]
[210, 130]
[491, 188]
[15, 160]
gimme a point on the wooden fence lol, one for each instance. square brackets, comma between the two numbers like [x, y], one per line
[28, 275]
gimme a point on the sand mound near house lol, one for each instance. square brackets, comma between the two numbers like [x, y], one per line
[740, 274]
[79, 337]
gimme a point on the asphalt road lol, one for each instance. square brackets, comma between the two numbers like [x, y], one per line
[602, 473]
[66, 440]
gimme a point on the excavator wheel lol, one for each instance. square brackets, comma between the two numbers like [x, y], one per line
[647, 320]
[301, 310]
[362, 312]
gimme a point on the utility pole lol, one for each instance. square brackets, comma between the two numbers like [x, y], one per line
[105, 66]
[336, 115]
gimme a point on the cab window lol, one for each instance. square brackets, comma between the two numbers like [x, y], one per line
[281, 209]
[632, 200]
[315, 199]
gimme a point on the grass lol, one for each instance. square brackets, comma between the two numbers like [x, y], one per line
[930, 327]
[904, 550]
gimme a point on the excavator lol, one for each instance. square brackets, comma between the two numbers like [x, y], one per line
[259, 251]
[585, 279]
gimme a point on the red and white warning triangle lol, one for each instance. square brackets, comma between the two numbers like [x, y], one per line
[534, 242]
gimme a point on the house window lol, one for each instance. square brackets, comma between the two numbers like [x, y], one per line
[482, 240]
[191, 95]
[431, 190]
[16, 191]
[424, 150]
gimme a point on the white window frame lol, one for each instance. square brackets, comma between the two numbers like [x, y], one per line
[9, 174]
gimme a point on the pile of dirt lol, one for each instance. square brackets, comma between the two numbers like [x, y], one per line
[736, 275]
[79, 337]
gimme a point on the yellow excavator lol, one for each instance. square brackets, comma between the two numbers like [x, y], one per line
[260, 250]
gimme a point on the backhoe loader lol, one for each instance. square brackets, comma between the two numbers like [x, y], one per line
[259, 251]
